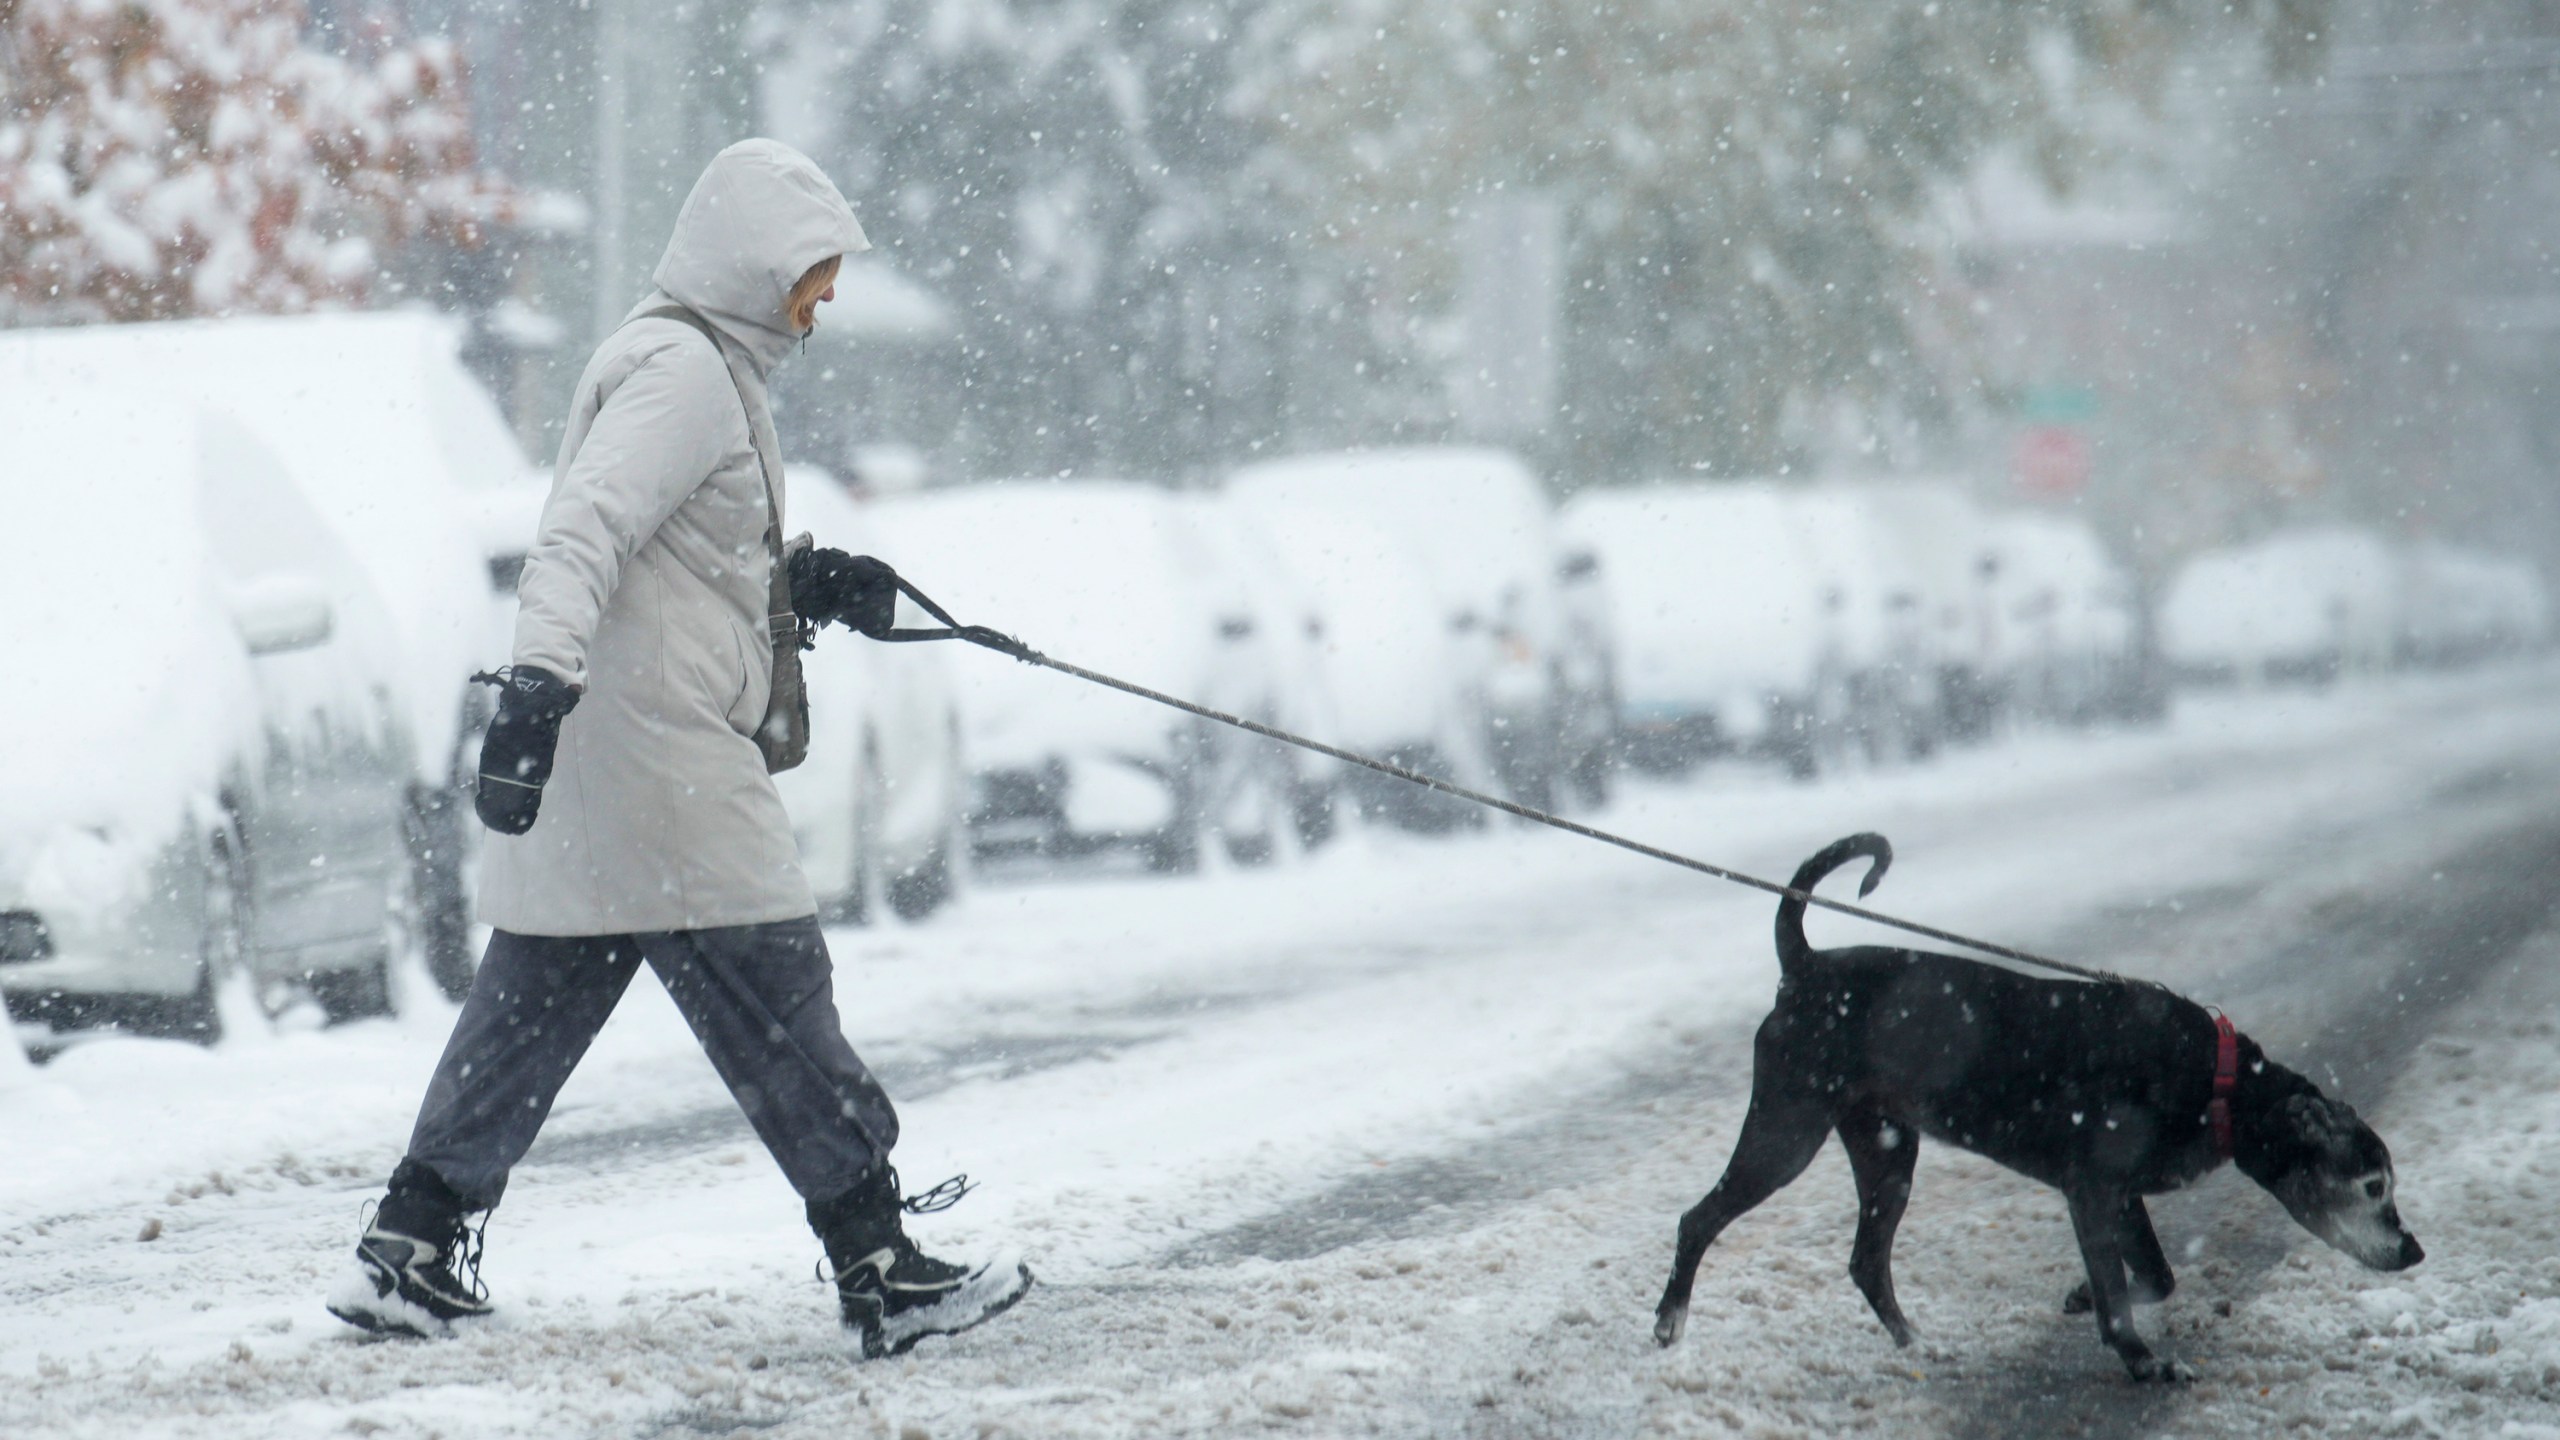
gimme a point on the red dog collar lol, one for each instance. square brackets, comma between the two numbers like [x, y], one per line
[2226, 1079]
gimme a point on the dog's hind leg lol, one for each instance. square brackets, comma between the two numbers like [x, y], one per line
[1881, 1154]
[1779, 1138]
[2145, 1263]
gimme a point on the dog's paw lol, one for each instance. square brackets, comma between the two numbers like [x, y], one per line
[2152, 1369]
[1668, 1324]
[2077, 1302]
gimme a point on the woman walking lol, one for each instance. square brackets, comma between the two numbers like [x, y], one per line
[627, 777]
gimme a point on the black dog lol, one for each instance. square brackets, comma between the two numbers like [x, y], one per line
[2106, 1090]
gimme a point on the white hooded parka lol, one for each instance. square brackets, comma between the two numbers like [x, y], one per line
[647, 585]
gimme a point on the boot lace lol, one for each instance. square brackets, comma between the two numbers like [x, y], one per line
[458, 1246]
[465, 1257]
[941, 1197]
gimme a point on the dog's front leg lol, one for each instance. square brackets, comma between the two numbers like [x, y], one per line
[2153, 1280]
[2097, 1216]
[1779, 1138]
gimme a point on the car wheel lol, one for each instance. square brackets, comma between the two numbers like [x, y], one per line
[861, 903]
[1793, 738]
[1311, 810]
[222, 946]
[1591, 777]
[1250, 817]
[353, 994]
[363, 990]
[439, 859]
[920, 891]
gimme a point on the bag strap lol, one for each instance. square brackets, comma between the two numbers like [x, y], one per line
[781, 622]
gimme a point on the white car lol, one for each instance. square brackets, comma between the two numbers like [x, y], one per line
[376, 421]
[2301, 605]
[2459, 605]
[1481, 527]
[1114, 576]
[2065, 636]
[204, 772]
[1587, 729]
[1883, 662]
[1724, 633]
[1289, 631]
[1944, 545]
[879, 804]
[1396, 682]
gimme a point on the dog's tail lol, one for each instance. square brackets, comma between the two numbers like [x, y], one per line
[1792, 949]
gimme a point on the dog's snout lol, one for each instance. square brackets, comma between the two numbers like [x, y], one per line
[2411, 1252]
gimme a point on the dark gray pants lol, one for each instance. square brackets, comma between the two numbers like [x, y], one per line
[760, 998]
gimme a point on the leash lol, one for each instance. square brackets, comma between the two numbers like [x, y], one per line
[1004, 644]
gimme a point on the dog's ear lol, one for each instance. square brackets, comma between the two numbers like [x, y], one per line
[2329, 1128]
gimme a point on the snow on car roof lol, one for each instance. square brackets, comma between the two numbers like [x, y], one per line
[1712, 592]
[1103, 573]
[379, 425]
[105, 652]
[1475, 517]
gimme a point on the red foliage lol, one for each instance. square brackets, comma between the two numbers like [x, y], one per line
[163, 158]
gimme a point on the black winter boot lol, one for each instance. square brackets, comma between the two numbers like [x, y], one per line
[890, 1292]
[403, 1280]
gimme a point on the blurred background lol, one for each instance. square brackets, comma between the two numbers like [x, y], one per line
[2106, 445]
[1534, 393]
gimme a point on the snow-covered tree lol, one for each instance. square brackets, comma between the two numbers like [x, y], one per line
[1070, 176]
[1748, 184]
[1179, 229]
[163, 158]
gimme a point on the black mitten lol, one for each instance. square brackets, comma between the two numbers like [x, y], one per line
[515, 758]
[831, 587]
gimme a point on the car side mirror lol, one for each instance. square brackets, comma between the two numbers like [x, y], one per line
[1235, 628]
[279, 614]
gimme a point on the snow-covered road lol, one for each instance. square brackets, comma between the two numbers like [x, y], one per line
[1392, 1141]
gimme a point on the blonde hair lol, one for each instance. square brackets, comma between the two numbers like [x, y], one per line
[802, 308]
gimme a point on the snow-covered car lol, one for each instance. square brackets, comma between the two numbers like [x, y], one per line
[386, 434]
[2065, 637]
[1396, 682]
[206, 770]
[1587, 722]
[1484, 533]
[2459, 605]
[2303, 605]
[1115, 576]
[878, 805]
[1943, 541]
[1885, 703]
[1721, 619]
[1289, 630]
